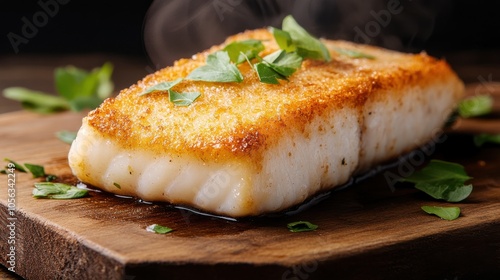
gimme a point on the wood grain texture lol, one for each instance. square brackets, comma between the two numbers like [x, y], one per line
[372, 229]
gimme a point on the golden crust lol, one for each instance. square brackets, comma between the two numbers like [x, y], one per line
[242, 119]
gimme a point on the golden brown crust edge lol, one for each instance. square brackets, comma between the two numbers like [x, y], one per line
[255, 115]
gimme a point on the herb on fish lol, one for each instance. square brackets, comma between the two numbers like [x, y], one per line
[301, 226]
[66, 136]
[446, 213]
[164, 86]
[57, 191]
[183, 98]
[117, 185]
[240, 51]
[442, 180]
[304, 43]
[218, 68]
[353, 53]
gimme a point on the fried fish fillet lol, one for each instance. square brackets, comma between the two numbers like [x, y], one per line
[244, 149]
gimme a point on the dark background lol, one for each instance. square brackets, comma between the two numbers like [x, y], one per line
[119, 26]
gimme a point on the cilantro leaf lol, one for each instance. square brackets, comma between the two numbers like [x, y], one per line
[218, 68]
[301, 226]
[442, 180]
[446, 213]
[183, 98]
[239, 49]
[307, 46]
[475, 106]
[484, 138]
[57, 191]
[164, 86]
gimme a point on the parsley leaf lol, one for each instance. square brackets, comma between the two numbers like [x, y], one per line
[218, 68]
[278, 65]
[164, 86]
[57, 191]
[475, 106]
[183, 98]
[36, 101]
[353, 53]
[66, 136]
[283, 39]
[306, 45]
[267, 74]
[239, 51]
[284, 63]
[17, 166]
[484, 138]
[442, 180]
[446, 213]
[158, 229]
[77, 89]
[301, 226]
[36, 170]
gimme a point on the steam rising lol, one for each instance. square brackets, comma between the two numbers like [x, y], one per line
[179, 28]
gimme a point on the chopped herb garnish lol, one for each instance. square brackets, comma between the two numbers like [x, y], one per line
[77, 89]
[57, 191]
[50, 178]
[37, 170]
[306, 45]
[117, 185]
[484, 138]
[353, 53]
[442, 180]
[183, 98]
[217, 69]
[301, 226]
[239, 51]
[158, 229]
[284, 63]
[17, 166]
[283, 39]
[267, 74]
[475, 106]
[165, 86]
[66, 136]
[446, 213]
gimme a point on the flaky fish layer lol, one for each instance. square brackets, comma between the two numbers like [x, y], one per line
[250, 148]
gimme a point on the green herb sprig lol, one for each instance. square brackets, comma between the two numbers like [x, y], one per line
[159, 229]
[37, 171]
[57, 191]
[77, 89]
[442, 180]
[445, 213]
[301, 226]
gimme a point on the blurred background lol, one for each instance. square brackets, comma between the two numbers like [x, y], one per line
[139, 37]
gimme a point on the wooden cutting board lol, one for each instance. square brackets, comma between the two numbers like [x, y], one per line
[370, 229]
